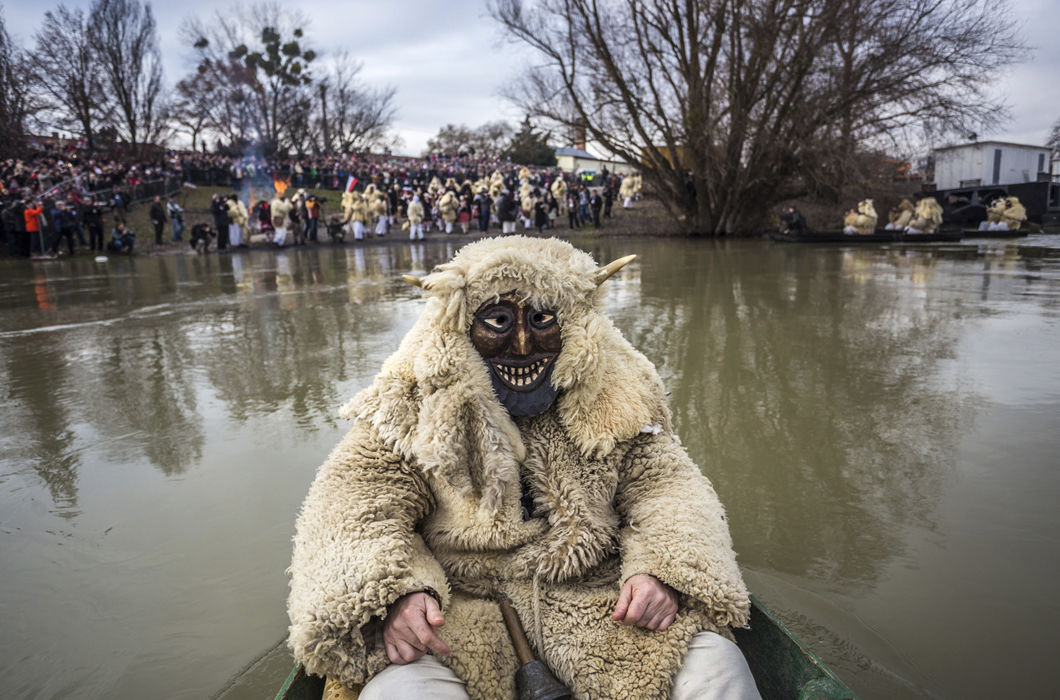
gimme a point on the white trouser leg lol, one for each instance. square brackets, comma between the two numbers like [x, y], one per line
[425, 677]
[713, 669]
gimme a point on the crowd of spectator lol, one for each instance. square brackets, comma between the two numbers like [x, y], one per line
[60, 194]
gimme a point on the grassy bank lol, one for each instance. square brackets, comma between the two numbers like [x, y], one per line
[648, 217]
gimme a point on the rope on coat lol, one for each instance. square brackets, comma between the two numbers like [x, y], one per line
[538, 629]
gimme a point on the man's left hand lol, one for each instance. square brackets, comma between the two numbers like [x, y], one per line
[647, 602]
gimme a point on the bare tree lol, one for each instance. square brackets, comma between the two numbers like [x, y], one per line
[259, 67]
[124, 39]
[451, 139]
[191, 113]
[14, 95]
[1054, 139]
[67, 74]
[489, 139]
[217, 98]
[730, 106]
[352, 117]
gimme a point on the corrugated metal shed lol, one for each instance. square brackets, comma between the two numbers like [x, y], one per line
[989, 163]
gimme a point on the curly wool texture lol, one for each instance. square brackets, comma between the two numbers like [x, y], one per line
[424, 493]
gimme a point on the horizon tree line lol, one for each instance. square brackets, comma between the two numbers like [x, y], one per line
[255, 86]
[730, 107]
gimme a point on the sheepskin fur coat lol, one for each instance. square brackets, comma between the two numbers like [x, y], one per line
[424, 492]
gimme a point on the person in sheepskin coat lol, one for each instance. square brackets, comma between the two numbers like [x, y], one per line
[516, 443]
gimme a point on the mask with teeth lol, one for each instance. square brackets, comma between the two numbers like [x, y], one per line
[519, 344]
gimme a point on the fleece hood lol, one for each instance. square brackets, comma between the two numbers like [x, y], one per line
[433, 401]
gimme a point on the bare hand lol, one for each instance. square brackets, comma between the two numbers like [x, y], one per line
[647, 602]
[409, 628]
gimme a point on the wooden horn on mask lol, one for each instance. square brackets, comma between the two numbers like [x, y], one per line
[414, 281]
[611, 268]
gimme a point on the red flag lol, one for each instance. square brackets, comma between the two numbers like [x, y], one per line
[351, 182]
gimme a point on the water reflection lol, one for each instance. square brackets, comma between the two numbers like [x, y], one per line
[806, 394]
[118, 353]
[828, 393]
[38, 420]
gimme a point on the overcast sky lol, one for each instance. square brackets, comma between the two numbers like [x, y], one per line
[448, 62]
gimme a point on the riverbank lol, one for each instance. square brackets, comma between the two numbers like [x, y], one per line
[646, 218]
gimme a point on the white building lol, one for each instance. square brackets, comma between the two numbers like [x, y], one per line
[989, 163]
[572, 160]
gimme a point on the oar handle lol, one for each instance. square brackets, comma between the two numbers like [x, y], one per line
[515, 628]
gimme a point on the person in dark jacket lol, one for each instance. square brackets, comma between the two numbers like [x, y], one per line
[540, 215]
[63, 223]
[596, 203]
[219, 208]
[92, 216]
[201, 235]
[506, 211]
[158, 217]
[15, 227]
[122, 239]
[483, 203]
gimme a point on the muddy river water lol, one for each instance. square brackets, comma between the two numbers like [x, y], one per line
[882, 423]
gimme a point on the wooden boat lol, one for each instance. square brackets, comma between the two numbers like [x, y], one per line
[782, 666]
[880, 236]
[976, 233]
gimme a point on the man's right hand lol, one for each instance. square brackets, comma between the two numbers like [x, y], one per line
[409, 628]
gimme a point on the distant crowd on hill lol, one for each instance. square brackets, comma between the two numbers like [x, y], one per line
[61, 195]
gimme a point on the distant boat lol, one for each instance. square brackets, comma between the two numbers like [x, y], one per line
[976, 233]
[782, 666]
[880, 236]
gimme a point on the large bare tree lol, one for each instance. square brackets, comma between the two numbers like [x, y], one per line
[14, 95]
[258, 72]
[253, 56]
[352, 116]
[126, 44]
[730, 106]
[67, 74]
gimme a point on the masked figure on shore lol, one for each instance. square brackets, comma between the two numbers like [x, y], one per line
[355, 213]
[379, 213]
[559, 191]
[516, 443]
[526, 204]
[279, 208]
[434, 187]
[415, 219]
[448, 206]
[238, 216]
[627, 191]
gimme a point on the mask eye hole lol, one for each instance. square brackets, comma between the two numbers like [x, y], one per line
[499, 321]
[542, 319]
